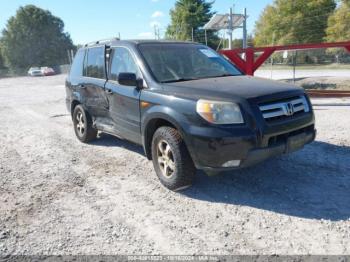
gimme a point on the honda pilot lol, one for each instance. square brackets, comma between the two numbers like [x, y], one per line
[188, 106]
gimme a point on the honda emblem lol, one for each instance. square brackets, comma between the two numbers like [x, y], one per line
[289, 109]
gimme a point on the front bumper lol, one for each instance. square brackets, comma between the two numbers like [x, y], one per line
[291, 144]
[212, 147]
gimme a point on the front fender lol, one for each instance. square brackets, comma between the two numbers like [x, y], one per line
[159, 112]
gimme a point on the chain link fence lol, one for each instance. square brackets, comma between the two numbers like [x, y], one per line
[311, 69]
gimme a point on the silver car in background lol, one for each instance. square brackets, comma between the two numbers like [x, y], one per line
[35, 71]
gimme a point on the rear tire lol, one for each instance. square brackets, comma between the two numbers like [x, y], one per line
[83, 125]
[171, 159]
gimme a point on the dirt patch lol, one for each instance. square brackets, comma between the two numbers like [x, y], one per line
[323, 83]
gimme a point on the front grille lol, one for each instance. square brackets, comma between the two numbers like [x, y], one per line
[286, 108]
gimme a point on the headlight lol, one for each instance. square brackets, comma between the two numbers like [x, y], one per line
[216, 112]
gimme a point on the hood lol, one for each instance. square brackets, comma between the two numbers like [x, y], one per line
[247, 87]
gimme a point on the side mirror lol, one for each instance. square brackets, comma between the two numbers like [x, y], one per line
[129, 79]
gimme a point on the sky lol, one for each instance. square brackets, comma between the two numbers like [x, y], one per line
[91, 20]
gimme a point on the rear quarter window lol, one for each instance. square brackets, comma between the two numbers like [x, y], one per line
[77, 66]
[95, 63]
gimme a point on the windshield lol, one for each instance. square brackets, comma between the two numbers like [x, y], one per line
[182, 62]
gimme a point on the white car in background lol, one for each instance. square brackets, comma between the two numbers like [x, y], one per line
[41, 71]
[35, 71]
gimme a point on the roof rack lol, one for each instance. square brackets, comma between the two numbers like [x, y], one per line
[102, 41]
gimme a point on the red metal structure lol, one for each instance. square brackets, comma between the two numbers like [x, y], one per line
[250, 64]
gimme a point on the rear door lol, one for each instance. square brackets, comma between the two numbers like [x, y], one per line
[93, 86]
[124, 101]
[74, 80]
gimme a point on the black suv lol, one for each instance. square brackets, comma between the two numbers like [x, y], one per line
[188, 106]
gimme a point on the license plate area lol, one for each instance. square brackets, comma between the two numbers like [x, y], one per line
[297, 142]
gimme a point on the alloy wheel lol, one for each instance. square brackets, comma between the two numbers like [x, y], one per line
[165, 159]
[80, 123]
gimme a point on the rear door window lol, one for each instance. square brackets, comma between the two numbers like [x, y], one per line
[77, 66]
[95, 63]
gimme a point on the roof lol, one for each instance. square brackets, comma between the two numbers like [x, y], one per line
[136, 41]
[141, 41]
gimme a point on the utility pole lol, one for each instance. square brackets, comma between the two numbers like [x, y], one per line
[294, 64]
[273, 43]
[245, 42]
[206, 37]
[156, 32]
[192, 34]
[228, 23]
[72, 55]
[230, 28]
[69, 57]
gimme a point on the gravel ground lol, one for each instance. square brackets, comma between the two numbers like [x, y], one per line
[59, 196]
[301, 73]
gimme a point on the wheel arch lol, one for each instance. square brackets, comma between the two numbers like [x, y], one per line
[154, 121]
[74, 103]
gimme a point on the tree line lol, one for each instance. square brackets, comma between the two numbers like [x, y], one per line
[290, 22]
[33, 37]
[281, 23]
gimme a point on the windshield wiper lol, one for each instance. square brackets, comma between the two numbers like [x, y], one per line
[223, 75]
[190, 79]
[179, 80]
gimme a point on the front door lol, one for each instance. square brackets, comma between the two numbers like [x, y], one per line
[124, 101]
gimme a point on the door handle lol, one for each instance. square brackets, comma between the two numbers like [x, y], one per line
[109, 91]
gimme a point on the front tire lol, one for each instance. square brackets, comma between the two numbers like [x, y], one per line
[83, 125]
[171, 159]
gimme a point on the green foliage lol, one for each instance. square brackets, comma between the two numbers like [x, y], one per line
[34, 37]
[339, 24]
[291, 22]
[238, 43]
[188, 14]
[339, 30]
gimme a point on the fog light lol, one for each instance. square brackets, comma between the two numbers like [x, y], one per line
[232, 163]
